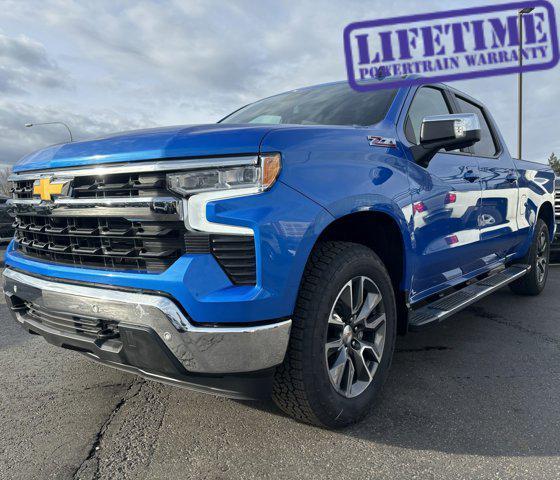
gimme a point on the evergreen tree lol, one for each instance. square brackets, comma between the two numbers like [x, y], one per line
[554, 162]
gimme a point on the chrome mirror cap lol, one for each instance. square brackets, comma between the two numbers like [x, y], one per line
[450, 132]
[439, 127]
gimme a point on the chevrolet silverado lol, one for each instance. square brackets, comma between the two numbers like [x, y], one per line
[281, 250]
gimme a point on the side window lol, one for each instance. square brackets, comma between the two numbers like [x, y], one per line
[427, 101]
[486, 147]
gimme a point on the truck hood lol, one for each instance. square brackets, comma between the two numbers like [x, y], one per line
[156, 143]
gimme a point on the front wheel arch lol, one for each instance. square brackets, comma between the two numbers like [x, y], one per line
[380, 232]
[302, 385]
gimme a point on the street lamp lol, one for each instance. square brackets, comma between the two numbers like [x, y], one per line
[520, 81]
[29, 125]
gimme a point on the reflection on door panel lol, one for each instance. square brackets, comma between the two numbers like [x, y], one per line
[445, 219]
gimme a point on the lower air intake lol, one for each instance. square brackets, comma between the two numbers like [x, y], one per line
[234, 253]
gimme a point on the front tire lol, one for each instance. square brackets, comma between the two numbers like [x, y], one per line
[538, 258]
[342, 339]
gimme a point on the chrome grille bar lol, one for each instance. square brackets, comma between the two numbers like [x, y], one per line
[154, 208]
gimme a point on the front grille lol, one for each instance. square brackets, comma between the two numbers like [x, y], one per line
[120, 240]
[64, 322]
[557, 204]
[119, 221]
[115, 243]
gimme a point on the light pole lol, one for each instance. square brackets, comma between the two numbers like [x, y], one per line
[520, 82]
[29, 125]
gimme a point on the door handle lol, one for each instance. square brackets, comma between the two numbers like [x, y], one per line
[471, 176]
[511, 177]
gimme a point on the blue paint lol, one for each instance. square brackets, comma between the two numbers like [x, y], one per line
[327, 173]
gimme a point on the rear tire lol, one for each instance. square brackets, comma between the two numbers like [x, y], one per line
[538, 258]
[342, 339]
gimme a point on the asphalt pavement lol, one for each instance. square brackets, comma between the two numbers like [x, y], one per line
[475, 397]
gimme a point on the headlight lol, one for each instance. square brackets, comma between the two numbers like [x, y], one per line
[260, 176]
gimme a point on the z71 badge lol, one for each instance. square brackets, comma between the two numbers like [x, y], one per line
[375, 141]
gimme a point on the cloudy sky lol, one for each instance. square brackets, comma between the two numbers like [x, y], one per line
[104, 66]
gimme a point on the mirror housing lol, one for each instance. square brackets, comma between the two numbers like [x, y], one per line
[450, 132]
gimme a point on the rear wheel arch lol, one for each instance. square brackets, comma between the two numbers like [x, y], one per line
[546, 213]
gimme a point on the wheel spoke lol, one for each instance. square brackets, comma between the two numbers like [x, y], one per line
[542, 244]
[373, 349]
[371, 301]
[377, 322]
[336, 320]
[349, 377]
[334, 345]
[337, 369]
[362, 369]
[357, 294]
[346, 298]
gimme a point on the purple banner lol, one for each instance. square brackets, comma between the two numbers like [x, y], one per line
[453, 45]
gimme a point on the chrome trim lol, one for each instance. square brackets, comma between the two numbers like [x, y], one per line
[157, 208]
[195, 211]
[463, 122]
[139, 167]
[199, 349]
[109, 201]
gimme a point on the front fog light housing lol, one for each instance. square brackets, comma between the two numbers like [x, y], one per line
[260, 176]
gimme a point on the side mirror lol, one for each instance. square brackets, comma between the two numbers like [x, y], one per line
[450, 132]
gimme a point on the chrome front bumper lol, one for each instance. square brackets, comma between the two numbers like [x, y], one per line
[205, 350]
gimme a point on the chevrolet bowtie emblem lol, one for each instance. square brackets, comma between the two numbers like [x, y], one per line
[46, 188]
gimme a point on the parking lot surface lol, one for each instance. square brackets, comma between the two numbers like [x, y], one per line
[476, 397]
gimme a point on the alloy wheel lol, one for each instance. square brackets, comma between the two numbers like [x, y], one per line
[542, 257]
[355, 336]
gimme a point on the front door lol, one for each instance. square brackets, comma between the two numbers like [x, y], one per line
[446, 200]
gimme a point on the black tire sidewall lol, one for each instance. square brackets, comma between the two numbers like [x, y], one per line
[332, 408]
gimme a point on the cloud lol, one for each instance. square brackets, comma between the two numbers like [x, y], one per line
[13, 117]
[139, 62]
[25, 65]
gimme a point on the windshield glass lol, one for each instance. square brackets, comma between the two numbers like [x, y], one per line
[334, 104]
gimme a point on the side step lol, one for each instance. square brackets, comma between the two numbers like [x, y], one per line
[446, 306]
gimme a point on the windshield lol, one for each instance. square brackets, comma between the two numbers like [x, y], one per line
[334, 104]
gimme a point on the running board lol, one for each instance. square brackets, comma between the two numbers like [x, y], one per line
[446, 306]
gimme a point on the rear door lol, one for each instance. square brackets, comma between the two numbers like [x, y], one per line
[445, 202]
[498, 179]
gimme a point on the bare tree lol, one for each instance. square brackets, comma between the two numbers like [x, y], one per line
[5, 188]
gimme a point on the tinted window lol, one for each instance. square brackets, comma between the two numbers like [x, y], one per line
[486, 147]
[325, 105]
[427, 101]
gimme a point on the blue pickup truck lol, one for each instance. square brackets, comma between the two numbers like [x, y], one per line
[281, 250]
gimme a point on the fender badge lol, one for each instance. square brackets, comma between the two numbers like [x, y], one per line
[376, 141]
